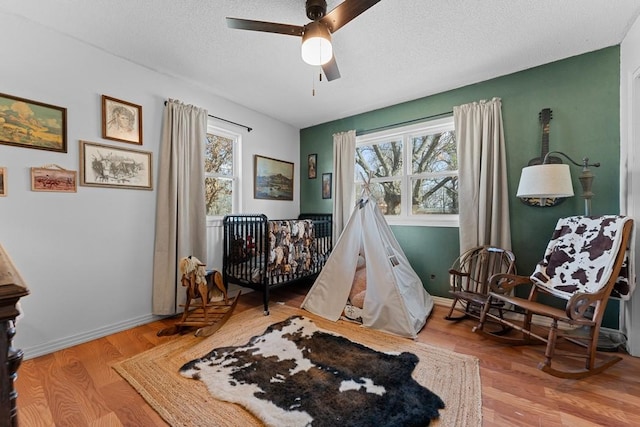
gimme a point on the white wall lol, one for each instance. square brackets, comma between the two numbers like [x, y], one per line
[630, 167]
[87, 256]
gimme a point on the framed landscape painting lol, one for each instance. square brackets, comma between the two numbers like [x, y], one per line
[115, 167]
[121, 120]
[32, 124]
[273, 179]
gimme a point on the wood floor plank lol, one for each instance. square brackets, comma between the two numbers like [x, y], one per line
[77, 387]
[109, 420]
[35, 415]
[71, 370]
[129, 407]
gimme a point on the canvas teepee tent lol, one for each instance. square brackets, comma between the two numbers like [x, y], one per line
[395, 300]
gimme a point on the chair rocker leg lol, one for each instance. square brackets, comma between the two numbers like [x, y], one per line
[579, 373]
[450, 316]
[591, 367]
[507, 326]
[504, 327]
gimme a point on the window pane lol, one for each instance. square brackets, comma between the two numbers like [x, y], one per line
[218, 196]
[387, 195]
[435, 195]
[434, 153]
[383, 160]
[218, 155]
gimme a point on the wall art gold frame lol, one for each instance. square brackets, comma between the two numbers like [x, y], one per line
[114, 167]
[121, 120]
[32, 124]
[54, 178]
[272, 179]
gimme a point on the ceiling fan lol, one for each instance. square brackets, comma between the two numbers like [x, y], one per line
[316, 35]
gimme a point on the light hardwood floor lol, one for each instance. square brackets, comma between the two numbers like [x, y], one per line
[76, 387]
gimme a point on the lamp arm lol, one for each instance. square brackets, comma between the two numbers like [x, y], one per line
[585, 162]
[586, 178]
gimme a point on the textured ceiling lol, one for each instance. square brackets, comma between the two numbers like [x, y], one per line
[396, 51]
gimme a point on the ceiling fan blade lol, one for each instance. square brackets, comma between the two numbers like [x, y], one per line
[345, 12]
[330, 69]
[267, 27]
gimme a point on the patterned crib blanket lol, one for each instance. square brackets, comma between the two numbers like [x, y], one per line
[293, 248]
[291, 251]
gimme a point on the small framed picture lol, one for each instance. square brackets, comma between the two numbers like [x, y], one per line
[326, 185]
[53, 178]
[121, 120]
[312, 162]
[114, 167]
[3, 182]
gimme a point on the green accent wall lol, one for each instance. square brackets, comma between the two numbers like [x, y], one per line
[583, 94]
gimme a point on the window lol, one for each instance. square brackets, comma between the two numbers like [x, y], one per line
[414, 172]
[221, 172]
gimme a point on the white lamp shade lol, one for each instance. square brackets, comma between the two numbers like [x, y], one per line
[545, 181]
[316, 44]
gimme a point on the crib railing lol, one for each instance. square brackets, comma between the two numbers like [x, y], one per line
[251, 257]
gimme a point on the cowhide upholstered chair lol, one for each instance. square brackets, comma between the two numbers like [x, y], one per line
[581, 265]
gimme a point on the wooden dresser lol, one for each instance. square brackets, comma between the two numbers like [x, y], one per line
[12, 288]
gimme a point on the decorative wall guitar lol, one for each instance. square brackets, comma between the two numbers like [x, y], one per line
[545, 116]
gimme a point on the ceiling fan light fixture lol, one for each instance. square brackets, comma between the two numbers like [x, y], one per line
[316, 44]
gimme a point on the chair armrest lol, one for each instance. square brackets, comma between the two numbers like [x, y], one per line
[458, 273]
[578, 304]
[455, 279]
[503, 283]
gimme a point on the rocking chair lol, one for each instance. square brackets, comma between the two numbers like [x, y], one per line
[469, 279]
[581, 265]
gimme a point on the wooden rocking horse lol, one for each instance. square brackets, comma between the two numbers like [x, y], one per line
[200, 285]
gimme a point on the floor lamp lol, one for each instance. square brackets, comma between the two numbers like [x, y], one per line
[551, 180]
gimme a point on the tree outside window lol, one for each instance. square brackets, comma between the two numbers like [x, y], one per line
[434, 178]
[413, 172]
[219, 174]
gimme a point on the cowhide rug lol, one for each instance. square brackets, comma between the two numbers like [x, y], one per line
[296, 374]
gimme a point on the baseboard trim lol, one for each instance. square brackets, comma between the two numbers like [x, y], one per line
[446, 302]
[60, 344]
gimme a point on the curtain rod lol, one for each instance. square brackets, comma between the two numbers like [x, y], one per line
[406, 122]
[249, 129]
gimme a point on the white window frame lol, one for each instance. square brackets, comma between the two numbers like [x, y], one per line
[406, 133]
[236, 199]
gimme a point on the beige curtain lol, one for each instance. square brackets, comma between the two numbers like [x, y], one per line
[344, 151]
[180, 209]
[482, 169]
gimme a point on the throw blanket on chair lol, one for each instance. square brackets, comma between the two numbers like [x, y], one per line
[580, 257]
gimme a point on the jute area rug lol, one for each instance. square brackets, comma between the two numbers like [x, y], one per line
[185, 402]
